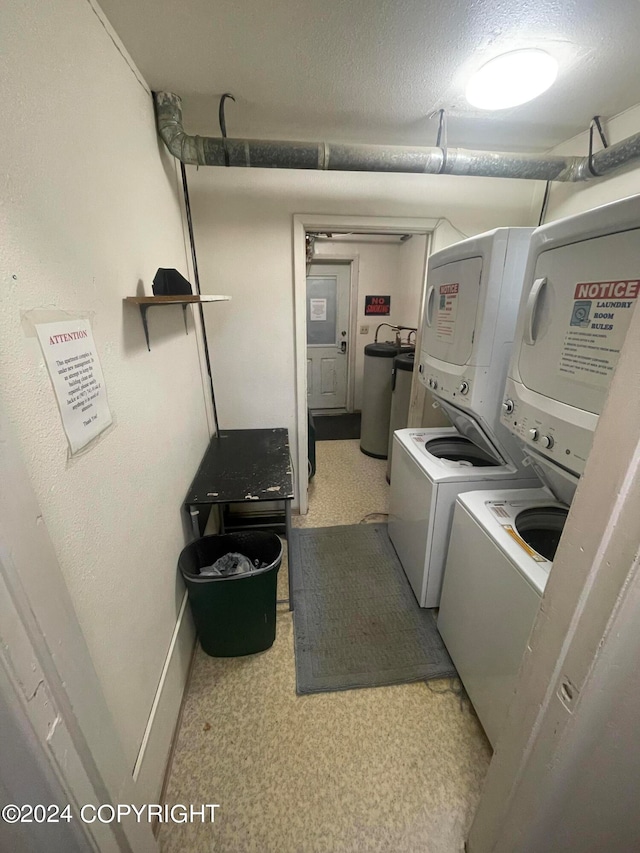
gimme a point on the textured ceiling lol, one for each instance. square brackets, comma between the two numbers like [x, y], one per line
[376, 70]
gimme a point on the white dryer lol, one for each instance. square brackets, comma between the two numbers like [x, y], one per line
[581, 286]
[473, 293]
[499, 558]
[431, 467]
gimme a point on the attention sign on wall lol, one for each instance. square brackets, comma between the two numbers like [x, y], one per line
[377, 305]
[72, 360]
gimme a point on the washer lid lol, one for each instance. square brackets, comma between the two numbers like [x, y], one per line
[559, 481]
[468, 426]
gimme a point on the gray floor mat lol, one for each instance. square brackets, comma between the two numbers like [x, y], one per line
[356, 620]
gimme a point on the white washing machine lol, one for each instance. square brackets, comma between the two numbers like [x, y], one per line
[473, 290]
[471, 309]
[581, 286]
[431, 467]
[500, 554]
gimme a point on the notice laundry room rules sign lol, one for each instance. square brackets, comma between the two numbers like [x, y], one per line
[447, 311]
[600, 316]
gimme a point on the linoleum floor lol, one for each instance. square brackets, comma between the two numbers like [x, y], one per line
[386, 770]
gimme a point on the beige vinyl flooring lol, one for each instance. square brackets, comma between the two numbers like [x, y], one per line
[384, 770]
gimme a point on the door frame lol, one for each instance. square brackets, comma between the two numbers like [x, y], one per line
[45, 656]
[353, 259]
[302, 223]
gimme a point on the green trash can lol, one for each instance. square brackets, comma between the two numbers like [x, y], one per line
[234, 615]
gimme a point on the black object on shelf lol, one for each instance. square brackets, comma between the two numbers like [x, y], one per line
[234, 615]
[169, 282]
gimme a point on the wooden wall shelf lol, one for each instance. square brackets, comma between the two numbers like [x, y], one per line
[145, 302]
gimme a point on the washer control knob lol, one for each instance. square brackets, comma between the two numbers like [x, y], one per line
[430, 382]
[508, 406]
[464, 387]
[534, 435]
[435, 384]
[547, 441]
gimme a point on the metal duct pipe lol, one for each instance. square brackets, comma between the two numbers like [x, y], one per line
[273, 154]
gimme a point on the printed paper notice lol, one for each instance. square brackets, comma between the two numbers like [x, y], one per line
[447, 310]
[600, 316]
[317, 309]
[72, 360]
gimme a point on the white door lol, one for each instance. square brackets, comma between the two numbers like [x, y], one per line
[328, 297]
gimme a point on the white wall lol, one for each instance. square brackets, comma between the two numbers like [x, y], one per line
[411, 275]
[413, 271]
[91, 209]
[568, 199]
[243, 229]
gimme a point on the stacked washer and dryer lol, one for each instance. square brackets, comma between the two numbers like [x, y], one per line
[581, 285]
[470, 317]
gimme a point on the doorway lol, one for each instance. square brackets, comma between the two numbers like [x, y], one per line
[347, 227]
[328, 334]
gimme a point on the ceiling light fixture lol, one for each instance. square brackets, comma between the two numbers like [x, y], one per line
[512, 79]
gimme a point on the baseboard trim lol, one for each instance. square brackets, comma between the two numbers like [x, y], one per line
[155, 826]
[149, 769]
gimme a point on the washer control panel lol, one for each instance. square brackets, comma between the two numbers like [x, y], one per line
[454, 388]
[568, 444]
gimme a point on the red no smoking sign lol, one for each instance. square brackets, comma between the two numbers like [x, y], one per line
[377, 305]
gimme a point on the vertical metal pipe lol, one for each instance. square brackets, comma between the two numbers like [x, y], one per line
[187, 205]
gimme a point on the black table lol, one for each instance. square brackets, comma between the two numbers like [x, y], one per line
[244, 466]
